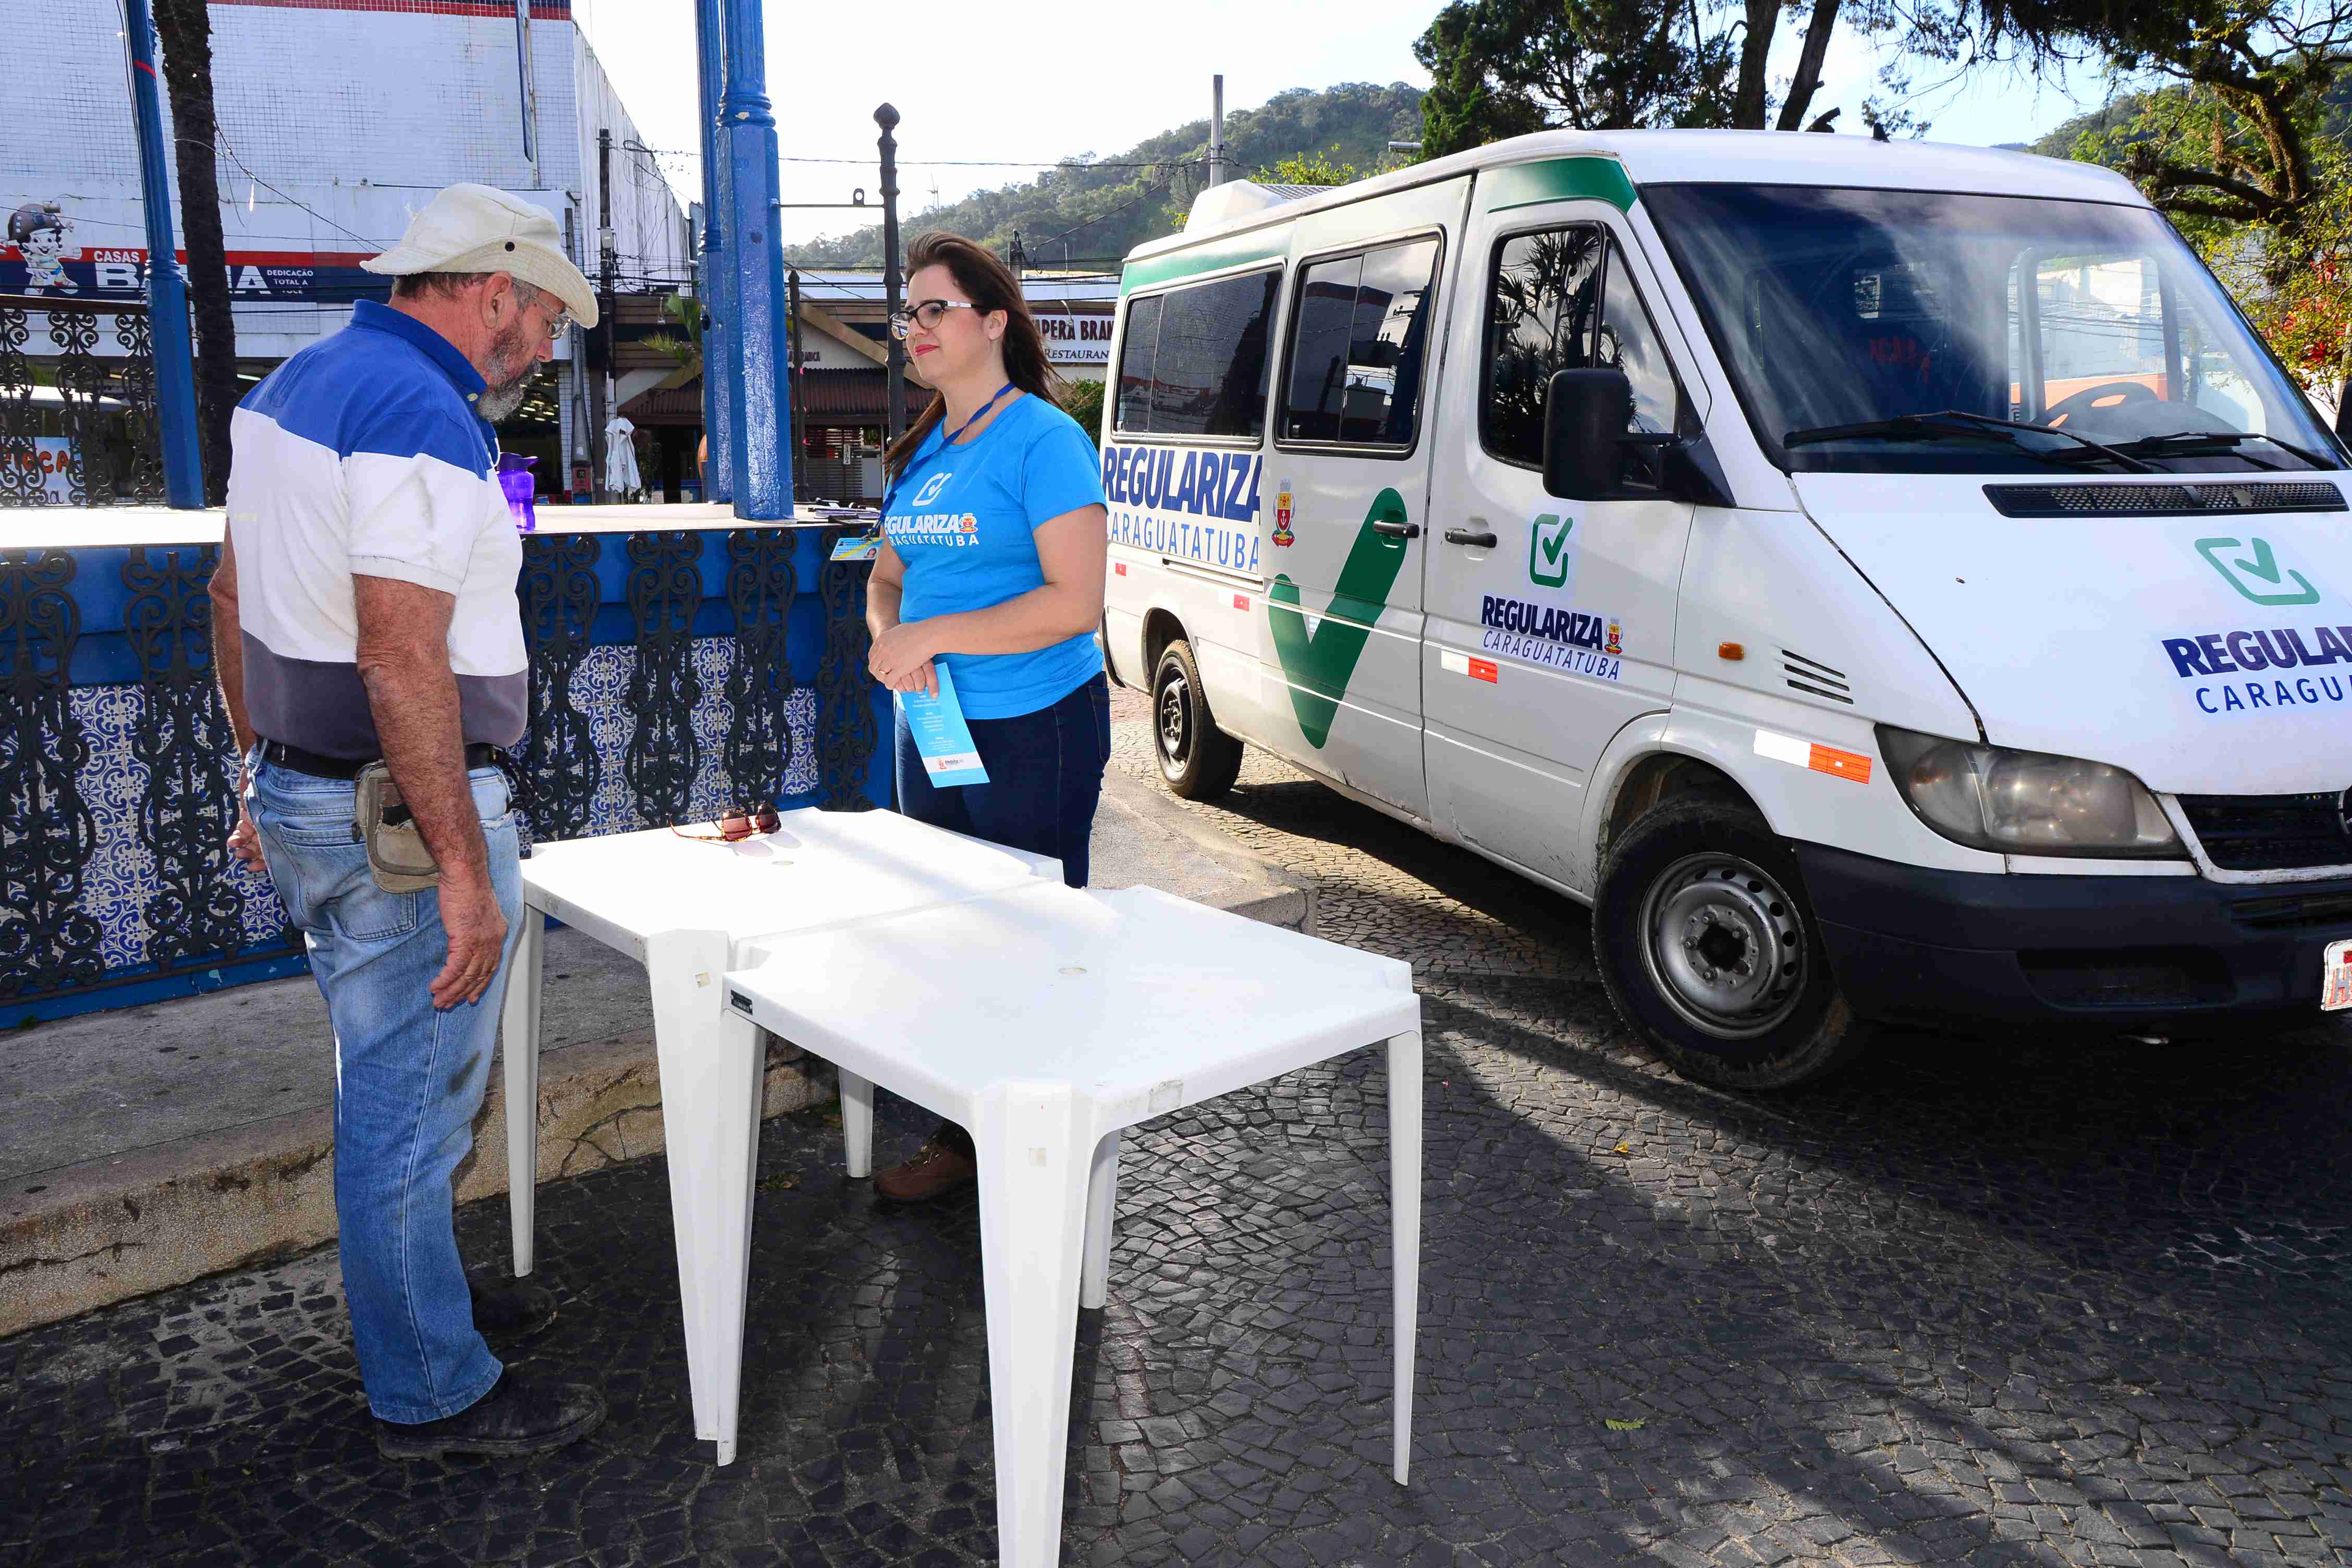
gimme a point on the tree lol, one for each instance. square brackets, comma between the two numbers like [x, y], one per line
[184, 29]
[1083, 400]
[2239, 138]
[685, 344]
[1505, 68]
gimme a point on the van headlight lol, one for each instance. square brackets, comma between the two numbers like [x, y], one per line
[2026, 802]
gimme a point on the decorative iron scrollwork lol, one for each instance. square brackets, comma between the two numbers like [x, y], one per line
[761, 583]
[111, 440]
[559, 596]
[664, 754]
[139, 474]
[20, 421]
[182, 736]
[845, 691]
[46, 833]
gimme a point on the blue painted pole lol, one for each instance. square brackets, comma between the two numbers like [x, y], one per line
[167, 291]
[720, 385]
[763, 463]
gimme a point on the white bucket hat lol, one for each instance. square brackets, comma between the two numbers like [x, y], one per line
[473, 228]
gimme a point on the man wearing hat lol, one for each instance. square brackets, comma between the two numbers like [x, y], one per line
[364, 609]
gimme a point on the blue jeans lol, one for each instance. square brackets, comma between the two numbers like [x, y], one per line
[1045, 778]
[408, 1080]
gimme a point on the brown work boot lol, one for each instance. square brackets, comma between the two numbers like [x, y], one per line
[936, 1171]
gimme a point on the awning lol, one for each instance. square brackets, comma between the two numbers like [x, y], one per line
[827, 397]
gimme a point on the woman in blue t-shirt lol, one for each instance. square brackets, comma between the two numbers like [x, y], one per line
[991, 567]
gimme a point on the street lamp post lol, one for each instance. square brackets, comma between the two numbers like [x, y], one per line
[896, 393]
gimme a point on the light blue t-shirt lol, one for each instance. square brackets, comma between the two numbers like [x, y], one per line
[960, 518]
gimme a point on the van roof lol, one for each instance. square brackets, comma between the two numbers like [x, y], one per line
[1754, 157]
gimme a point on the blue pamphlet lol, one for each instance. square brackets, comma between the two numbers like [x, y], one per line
[942, 737]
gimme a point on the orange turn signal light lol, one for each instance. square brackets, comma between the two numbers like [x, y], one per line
[1730, 650]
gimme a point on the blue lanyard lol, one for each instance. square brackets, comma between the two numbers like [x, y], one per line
[913, 468]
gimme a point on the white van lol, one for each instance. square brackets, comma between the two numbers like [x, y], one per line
[1882, 580]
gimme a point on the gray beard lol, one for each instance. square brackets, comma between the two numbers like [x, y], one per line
[504, 397]
[496, 402]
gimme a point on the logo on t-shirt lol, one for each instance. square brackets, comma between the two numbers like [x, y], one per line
[931, 489]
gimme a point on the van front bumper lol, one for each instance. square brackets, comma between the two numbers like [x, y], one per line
[1914, 944]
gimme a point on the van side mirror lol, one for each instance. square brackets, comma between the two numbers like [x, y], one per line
[1586, 414]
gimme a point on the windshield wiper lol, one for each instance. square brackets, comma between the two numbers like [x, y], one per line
[2169, 444]
[1936, 425]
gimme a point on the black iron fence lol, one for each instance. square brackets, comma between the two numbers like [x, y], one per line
[77, 420]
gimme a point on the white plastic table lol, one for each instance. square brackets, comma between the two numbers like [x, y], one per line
[686, 909]
[1045, 1019]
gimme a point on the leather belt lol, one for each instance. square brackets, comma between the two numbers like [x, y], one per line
[479, 754]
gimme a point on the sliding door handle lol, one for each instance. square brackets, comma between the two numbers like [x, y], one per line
[1463, 536]
[1398, 529]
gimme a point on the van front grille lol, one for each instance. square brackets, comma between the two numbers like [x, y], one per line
[2231, 497]
[2271, 832]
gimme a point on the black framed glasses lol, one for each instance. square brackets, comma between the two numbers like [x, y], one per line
[927, 315]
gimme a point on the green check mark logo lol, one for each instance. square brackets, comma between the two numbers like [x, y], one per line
[1548, 556]
[1319, 666]
[2264, 567]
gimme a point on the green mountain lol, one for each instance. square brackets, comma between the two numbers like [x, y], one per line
[2125, 107]
[1091, 211]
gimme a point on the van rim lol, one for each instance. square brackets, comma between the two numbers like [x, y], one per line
[1724, 945]
[1175, 726]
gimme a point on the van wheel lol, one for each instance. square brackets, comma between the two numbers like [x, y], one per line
[1199, 761]
[1709, 949]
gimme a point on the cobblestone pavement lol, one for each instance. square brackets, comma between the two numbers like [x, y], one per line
[2023, 1301]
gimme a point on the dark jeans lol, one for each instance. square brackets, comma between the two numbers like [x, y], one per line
[1044, 777]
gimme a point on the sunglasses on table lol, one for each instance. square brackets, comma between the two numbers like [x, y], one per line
[736, 826]
[927, 315]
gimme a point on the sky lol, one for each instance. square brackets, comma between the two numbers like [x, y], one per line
[1063, 80]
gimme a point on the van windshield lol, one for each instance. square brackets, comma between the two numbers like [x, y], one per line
[1921, 331]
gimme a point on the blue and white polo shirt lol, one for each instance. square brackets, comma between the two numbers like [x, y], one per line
[362, 456]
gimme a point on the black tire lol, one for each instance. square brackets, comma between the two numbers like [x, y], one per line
[1710, 950]
[1199, 761]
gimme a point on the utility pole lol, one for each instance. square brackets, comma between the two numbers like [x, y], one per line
[167, 292]
[762, 456]
[1217, 130]
[722, 389]
[896, 393]
[800, 411]
[602, 389]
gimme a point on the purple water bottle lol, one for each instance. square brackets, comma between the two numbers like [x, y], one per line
[514, 479]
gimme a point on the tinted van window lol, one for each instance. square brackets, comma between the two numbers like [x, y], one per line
[1139, 351]
[1195, 359]
[1359, 341]
[1563, 300]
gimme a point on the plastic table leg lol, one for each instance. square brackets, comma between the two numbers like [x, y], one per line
[1102, 1204]
[1036, 1156]
[519, 1033]
[686, 971]
[857, 1123]
[725, 1086]
[1404, 1228]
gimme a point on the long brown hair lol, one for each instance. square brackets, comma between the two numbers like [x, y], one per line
[990, 285]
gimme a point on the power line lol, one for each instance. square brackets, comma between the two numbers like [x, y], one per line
[1064, 161]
